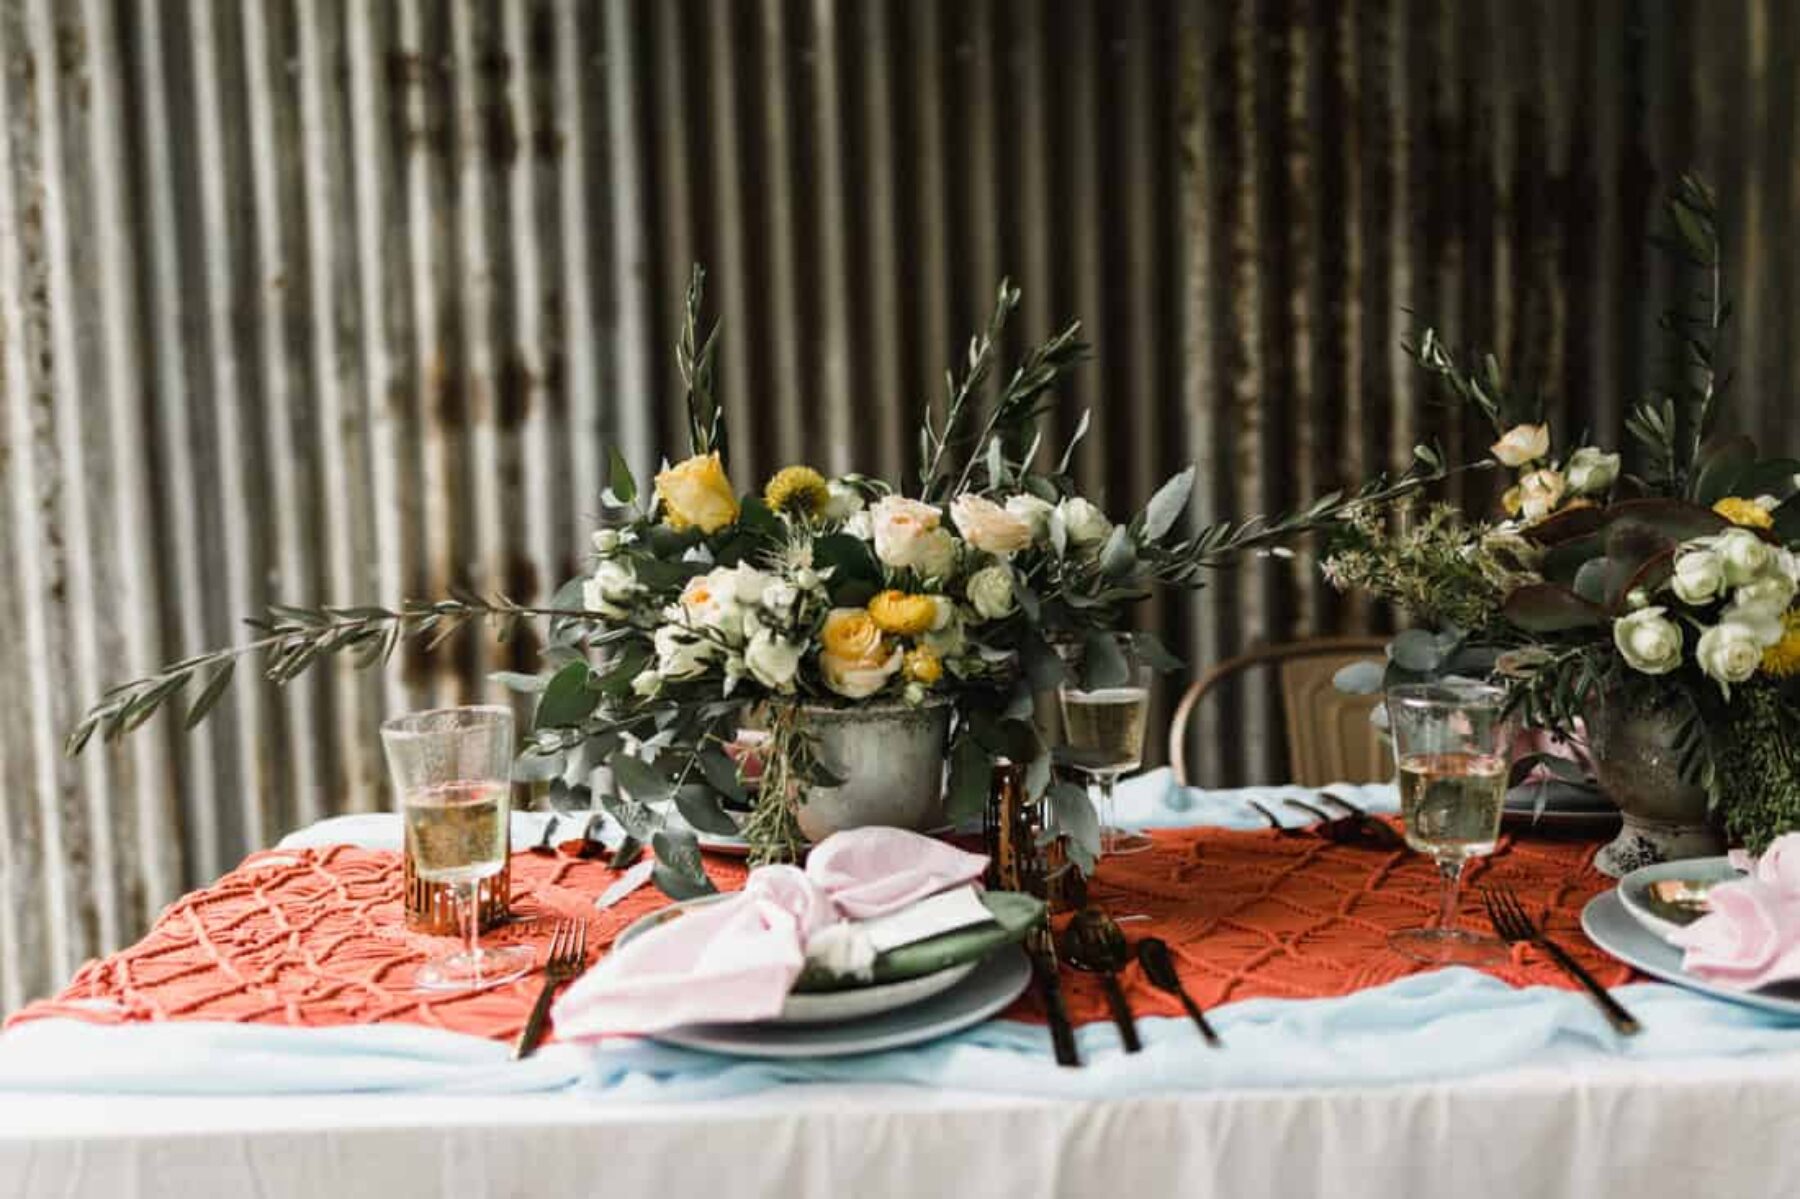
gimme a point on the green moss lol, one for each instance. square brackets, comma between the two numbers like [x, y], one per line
[1759, 766]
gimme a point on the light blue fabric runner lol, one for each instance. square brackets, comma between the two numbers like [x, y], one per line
[1444, 1024]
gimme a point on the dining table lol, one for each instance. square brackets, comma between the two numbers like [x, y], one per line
[211, 1058]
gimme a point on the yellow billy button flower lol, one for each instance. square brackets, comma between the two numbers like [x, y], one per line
[903, 615]
[799, 490]
[696, 494]
[1744, 513]
[923, 666]
[1783, 658]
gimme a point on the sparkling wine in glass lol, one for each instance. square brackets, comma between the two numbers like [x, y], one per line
[1450, 744]
[1103, 737]
[452, 771]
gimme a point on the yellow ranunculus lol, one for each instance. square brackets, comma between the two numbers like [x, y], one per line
[903, 615]
[1746, 514]
[923, 666]
[1511, 501]
[1783, 658]
[696, 494]
[797, 489]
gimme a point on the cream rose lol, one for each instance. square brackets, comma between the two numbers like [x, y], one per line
[1699, 575]
[1649, 641]
[1773, 594]
[1540, 492]
[1086, 524]
[991, 592]
[899, 527]
[697, 494]
[710, 601]
[1729, 652]
[1590, 471]
[680, 653]
[1522, 444]
[936, 555]
[772, 661]
[1034, 511]
[1745, 555]
[989, 527]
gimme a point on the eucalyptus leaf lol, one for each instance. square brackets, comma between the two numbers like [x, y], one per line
[524, 684]
[620, 480]
[699, 806]
[1417, 651]
[567, 699]
[1102, 663]
[1167, 505]
[1154, 654]
[1360, 678]
[638, 778]
[971, 780]
[680, 872]
[532, 766]
[636, 819]
[722, 773]
[1118, 557]
[1075, 818]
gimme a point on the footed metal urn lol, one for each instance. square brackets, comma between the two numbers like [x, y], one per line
[891, 758]
[1633, 734]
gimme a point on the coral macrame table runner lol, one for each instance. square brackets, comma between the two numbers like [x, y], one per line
[315, 937]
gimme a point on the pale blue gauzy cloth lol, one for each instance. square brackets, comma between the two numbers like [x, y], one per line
[1445, 1024]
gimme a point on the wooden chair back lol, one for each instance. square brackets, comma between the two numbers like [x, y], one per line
[1329, 737]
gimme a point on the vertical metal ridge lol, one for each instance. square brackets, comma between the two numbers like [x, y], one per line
[833, 399]
[880, 397]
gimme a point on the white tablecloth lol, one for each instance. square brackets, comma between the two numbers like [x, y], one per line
[1682, 1129]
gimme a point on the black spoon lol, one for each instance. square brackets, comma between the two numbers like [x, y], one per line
[1093, 943]
[1159, 967]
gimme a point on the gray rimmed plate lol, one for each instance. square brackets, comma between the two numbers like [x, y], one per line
[994, 984]
[1608, 925]
[826, 1007]
[1634, 888]
[1567, 806]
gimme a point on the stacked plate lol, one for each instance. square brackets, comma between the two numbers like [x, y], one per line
[1571, 807]
[1633, 924]
[917, 993]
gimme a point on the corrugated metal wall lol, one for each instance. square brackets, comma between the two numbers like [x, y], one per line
[332, 299]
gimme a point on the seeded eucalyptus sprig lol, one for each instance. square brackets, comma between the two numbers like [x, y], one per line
[292, 639]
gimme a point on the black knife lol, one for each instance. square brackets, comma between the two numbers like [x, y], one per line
[1049, 985]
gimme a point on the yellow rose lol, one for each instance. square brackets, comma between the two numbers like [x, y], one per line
[1511, 501]
[1541, 493]
[1746, 514]
[923, 666]
[697, 494]
[903, 615]
[856, 660]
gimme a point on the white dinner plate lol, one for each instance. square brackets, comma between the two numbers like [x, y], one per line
[826, 1007]
[1612, 928]
[736, 847]
[995, 983]
[1634, 888]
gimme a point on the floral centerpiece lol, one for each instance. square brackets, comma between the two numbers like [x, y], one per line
[1608, 597]
[707, 609]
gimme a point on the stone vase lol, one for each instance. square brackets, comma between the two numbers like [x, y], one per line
[891, 757]
[1632, 734]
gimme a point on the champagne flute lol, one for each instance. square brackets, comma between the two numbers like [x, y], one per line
[1103, 738]
[1450, 744]
[452, 771]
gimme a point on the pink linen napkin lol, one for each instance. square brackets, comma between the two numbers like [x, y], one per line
[1750, 935]
[737, 959]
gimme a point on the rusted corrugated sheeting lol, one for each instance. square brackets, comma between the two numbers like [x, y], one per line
[323, 299]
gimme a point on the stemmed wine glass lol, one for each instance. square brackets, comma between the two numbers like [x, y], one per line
[1450, 743]
[1103, 738]
[452, 771]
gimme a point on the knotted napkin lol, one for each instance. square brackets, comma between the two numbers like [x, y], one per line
[1750, 935]
[737, 959]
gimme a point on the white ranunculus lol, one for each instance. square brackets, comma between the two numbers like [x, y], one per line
[1522, 444]
[1034, 511]
[1540, 492]
[1086, 524]
[773, 662]
[1745, 555]
[1649, 642]
[681, 653]
[647, 684]
[989, 527]
[1699, 575]
[710, 601]
[1591, 471]
[779, 597]
[860, 525]
[843, 501]
[606, 541]
[610, 589]
[991, 592]
[902, 527]
[943, 612]
[949, 639]
[1730, 651]
[746, 582]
